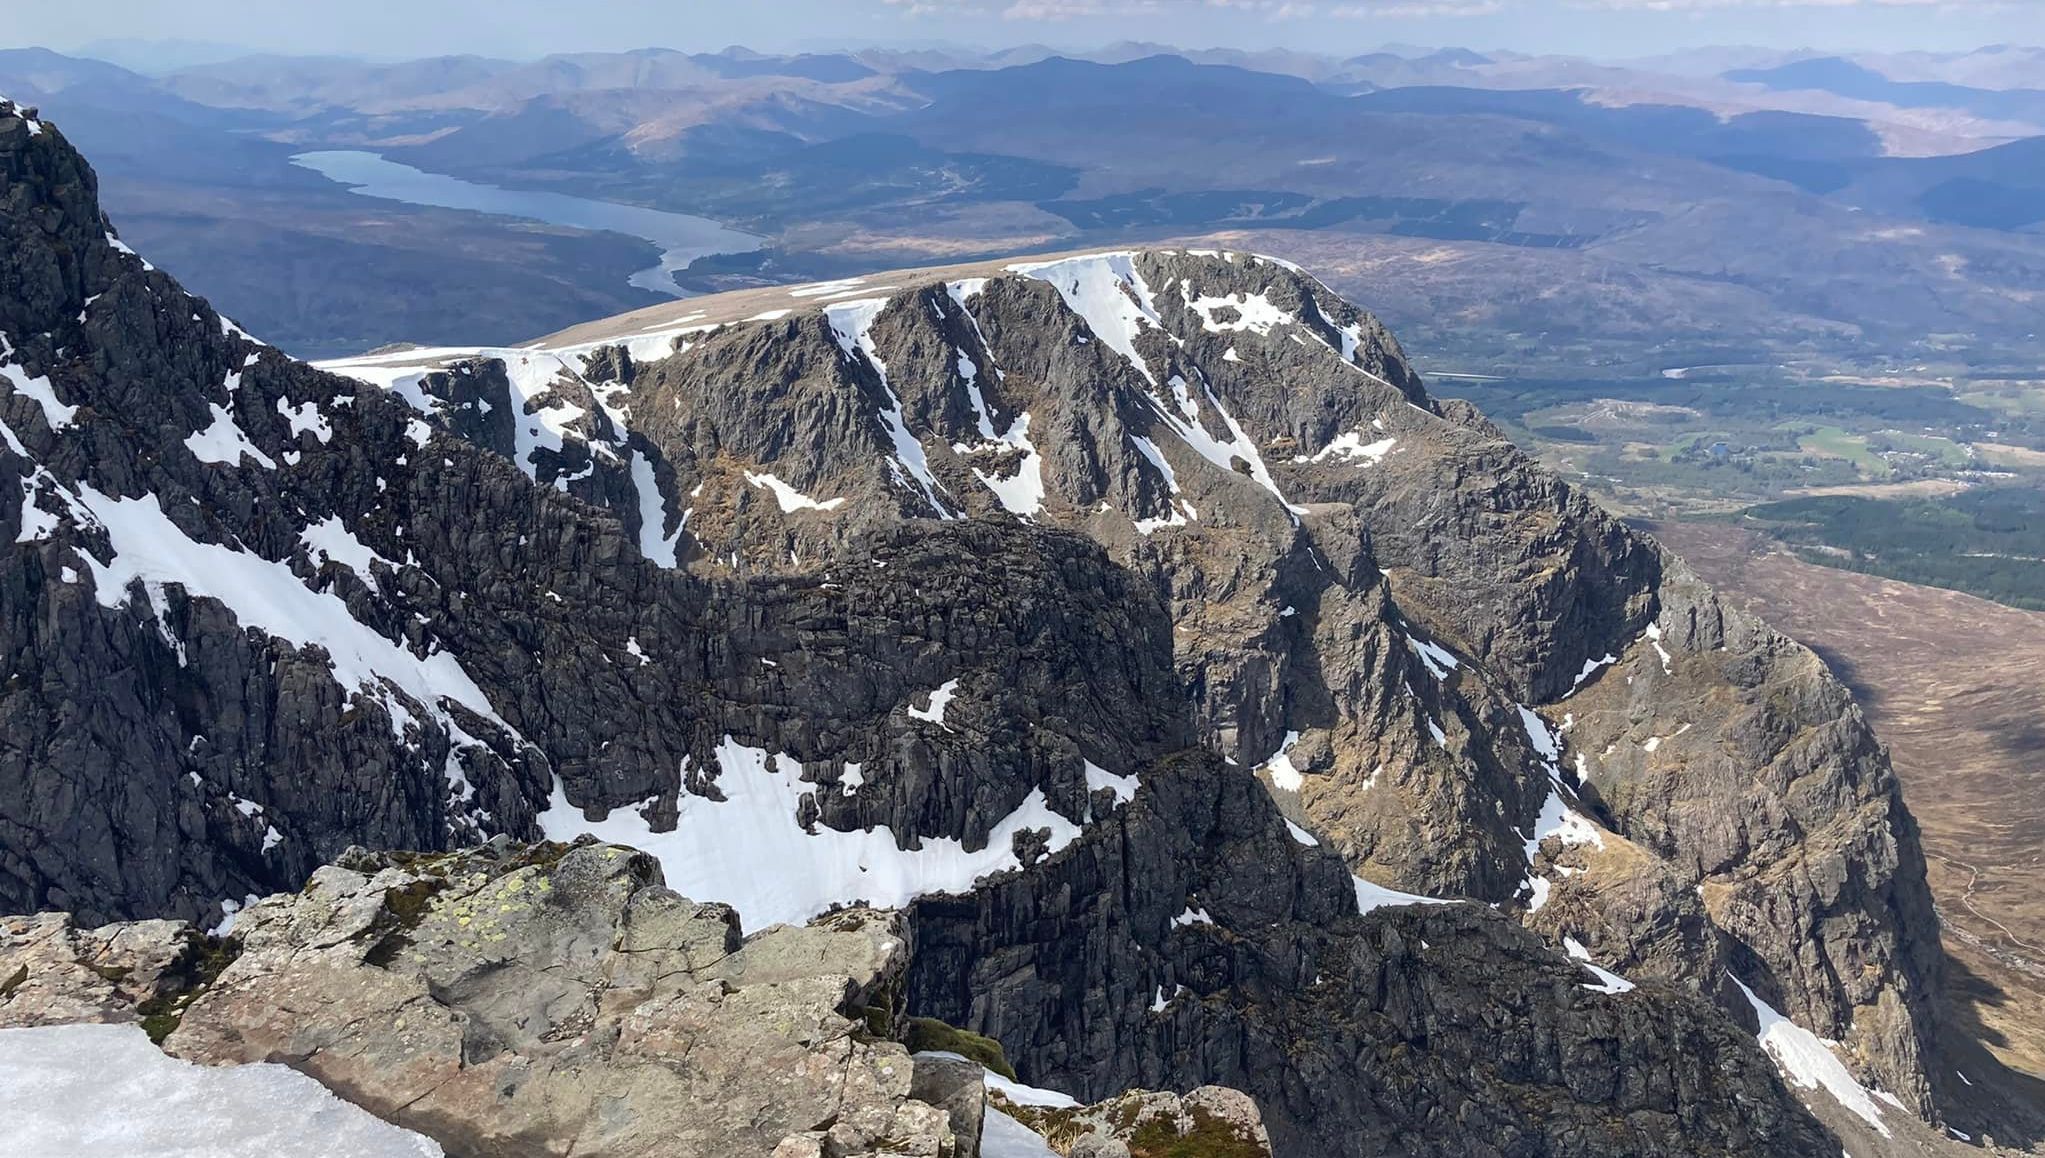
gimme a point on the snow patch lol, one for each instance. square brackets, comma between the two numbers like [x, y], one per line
[1098, 778]
[1254, 312]
[1370, 896]
[55, 413]
[1001, 1136]
[655, 543]
[1106, 291]
[224, 443]
[331, 540]
[940, 699]
[748, 850]
[1351, 446]
[106, 1089]
[1807, 1063]
[265, 595]
[120, 246]
[1279, 765]
[305, 418]
[789, 499]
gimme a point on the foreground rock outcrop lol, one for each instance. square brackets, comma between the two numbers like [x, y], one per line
[1211, 1120]
[544, 1000]
[554, 999]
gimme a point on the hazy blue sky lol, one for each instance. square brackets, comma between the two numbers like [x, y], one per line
[397, 28]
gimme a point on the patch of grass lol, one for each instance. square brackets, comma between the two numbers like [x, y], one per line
[162, 1015]
[1211, 1137]
[1835, 442]
[928, 1033]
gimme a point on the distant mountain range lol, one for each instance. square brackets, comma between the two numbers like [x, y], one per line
[1796, 206]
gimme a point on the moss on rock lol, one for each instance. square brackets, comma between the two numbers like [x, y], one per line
[928, 1033]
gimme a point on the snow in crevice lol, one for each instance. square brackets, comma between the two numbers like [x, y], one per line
[852, 323]
[1301, 836]
[1608, 982]
[1590, 668]
[1541, 738]
[940, 699]
[1351, 338]
[1654, 636]
[1097, 778]
[1107, 292]
[1183, 416]
[1023, 491]
[1808, 1063]
[37, 524]
[55, 413]
[224, 443]
[1557, 820]
[659, 547]
[787, 497]
[749, 851]
[542, 421]
[1178, 511]
[1279, 765]
[1191, 917]
[1438, 660]
[1350, 445]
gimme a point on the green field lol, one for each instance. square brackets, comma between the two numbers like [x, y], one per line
[1833, 442]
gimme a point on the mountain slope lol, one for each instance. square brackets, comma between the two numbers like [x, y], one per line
[978, 598]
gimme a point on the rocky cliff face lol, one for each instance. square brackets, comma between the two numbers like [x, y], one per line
[979, 595]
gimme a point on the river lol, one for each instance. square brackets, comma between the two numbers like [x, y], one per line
[681, 237]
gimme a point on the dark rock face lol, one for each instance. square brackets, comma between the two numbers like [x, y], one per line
[1130, 512]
